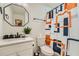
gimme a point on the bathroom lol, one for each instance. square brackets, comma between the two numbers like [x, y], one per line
[37, 17]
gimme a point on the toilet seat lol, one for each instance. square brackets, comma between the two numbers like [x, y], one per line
[47, 50]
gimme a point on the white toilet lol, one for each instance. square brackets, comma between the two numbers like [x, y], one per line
[45, 50]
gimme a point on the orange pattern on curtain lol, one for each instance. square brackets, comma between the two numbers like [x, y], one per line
[69, 16]
[70, 6]
[47, 40]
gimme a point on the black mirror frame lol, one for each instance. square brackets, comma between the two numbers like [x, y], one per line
[15, 5]
[1, 10]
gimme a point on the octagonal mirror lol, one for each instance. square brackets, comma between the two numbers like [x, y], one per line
[15, 15]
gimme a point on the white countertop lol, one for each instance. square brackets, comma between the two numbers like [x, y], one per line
[14, 41]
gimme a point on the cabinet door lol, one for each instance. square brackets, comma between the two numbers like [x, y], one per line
[12, 54]
[23, 46]
[25, 49]
[6, 50]
[26, 52]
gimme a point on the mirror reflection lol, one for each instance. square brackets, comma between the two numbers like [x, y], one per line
[16, 15]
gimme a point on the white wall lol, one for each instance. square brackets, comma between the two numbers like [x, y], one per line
[38, 11]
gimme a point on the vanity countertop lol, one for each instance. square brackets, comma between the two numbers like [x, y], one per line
[14, 41]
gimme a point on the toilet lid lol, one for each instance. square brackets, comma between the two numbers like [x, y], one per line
[47, 49]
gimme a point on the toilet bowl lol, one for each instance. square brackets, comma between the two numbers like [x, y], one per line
[46, 50]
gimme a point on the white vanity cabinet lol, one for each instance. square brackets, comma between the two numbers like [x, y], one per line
[25, 49]
[17, 49]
